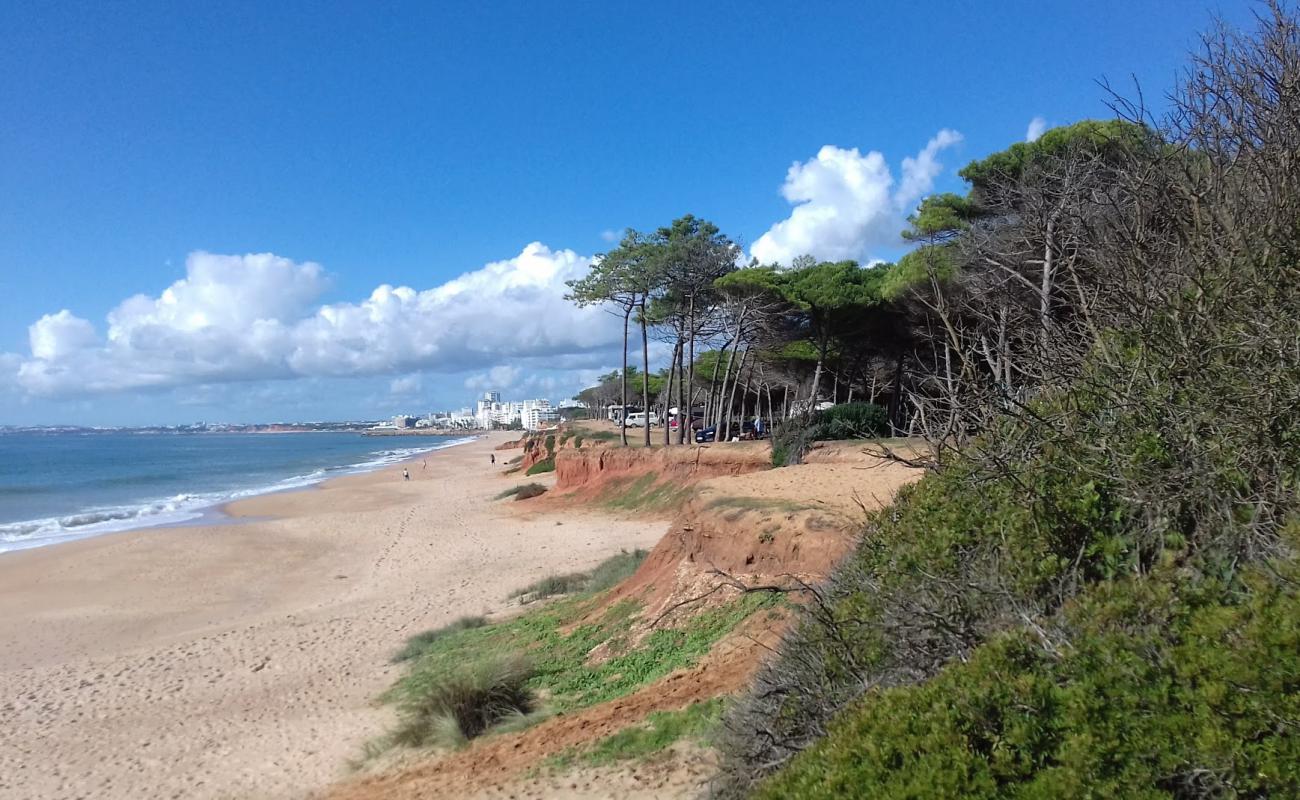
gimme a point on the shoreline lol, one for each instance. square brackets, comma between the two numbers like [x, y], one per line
[237, 660]
[204, 513]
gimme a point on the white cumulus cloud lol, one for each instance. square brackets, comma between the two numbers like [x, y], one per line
[1037, 126]
[846, 203]
[254, 317]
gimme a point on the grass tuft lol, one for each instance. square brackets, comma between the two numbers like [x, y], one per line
[450, 707]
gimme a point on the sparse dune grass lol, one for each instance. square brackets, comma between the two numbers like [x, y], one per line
[605, 574]
[758, 504]
[645, 493]
[461, 685]
[523, 491]
[659, 731]
[417, 643]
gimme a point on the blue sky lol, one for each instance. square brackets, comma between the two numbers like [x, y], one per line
[367, 145]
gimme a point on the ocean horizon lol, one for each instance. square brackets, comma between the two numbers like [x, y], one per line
[58, 487]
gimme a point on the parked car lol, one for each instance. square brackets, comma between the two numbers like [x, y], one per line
[744, 430]
[638, 419]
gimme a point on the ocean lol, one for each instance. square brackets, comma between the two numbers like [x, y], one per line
[55, 487]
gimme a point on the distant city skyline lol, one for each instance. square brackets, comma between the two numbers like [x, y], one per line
[335, 213]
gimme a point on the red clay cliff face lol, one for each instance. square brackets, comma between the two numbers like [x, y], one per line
[591, 469]
[741, 521]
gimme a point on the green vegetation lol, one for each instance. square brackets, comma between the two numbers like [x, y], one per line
[1161, 689]
[792, 438]
[1095, 590]
[523, 491]
[419, 642]
[553, 585]
[644, 493]
[658, 732]
[758, 504]
[464, 700]
[464, 676]
[546, 465]
[606, 574]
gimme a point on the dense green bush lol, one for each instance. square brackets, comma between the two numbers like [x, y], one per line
[1166, 689]
[791, 438]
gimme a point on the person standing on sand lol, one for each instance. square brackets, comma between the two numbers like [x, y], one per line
[406, 474]
[493, 456]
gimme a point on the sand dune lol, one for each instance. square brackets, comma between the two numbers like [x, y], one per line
[242, 660]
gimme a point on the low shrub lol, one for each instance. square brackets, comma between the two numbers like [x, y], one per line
[548, 465]
[792, 438]
[523, 491]
[418, 643]
[614, 570]
[552, 585]
[1166, 690]
[453, 706]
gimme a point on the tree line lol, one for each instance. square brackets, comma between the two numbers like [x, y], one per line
[994, 282]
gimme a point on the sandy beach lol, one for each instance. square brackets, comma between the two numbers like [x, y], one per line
[243, 660]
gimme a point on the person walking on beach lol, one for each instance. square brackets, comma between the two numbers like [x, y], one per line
[493, 456]
[406, 474]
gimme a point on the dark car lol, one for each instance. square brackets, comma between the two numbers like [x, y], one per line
[706, 434]
[745, 430]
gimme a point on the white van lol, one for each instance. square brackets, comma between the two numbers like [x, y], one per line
[638, 419]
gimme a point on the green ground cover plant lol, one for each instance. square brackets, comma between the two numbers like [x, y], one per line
[546, 465]
[658, 732]
[507, 666]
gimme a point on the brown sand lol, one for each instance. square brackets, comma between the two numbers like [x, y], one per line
[239, 661]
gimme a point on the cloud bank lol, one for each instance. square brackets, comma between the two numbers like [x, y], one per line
[258, 317]
[846, 203]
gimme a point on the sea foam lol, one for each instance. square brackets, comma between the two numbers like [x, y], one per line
[181, 509]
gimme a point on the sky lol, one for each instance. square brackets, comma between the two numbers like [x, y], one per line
[269, 212]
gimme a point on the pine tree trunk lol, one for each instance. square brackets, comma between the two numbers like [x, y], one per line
[622, 379]
[645, 372]
[668, 395]
[731, 403]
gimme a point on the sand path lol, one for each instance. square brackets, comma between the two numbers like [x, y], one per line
[239, 661]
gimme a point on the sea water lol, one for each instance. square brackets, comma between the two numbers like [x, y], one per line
[69, 485]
